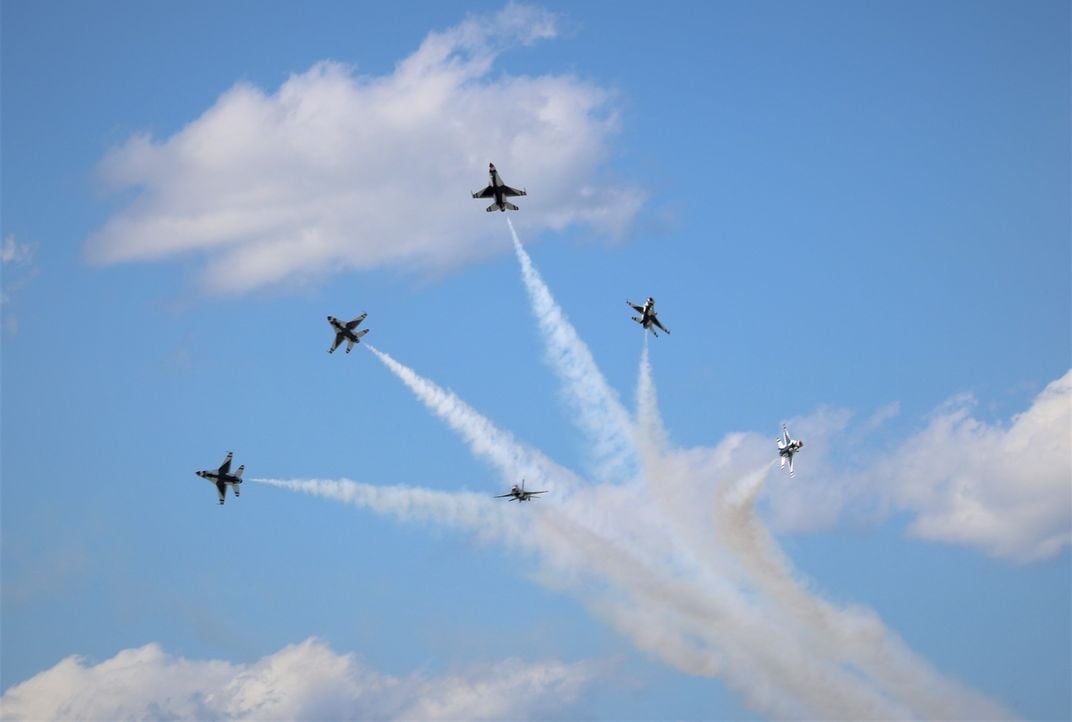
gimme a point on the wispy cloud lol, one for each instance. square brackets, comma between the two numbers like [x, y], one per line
[336, 170]
[17, 270]
[306, 681]
[14, 252]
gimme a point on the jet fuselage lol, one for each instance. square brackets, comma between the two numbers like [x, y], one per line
[340, 327]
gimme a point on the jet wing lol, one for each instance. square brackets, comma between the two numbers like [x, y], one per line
[638, 309]
[488, 192]
[353, 324]
[221, 487]
[225, 467]
[785, 435]
[534, 493]
[338, 339]
[655, 320]
[511, 192]
[503, 496]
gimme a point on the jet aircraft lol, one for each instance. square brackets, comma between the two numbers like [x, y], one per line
[519, 494]
[345, 332]
[787, 447]
[222, 476]
[499, 191]
[647, 318]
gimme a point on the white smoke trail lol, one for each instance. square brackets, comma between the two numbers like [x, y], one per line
[643, 555]
[460, 510]
[855, 635]
[651, 436]
[515, 460]
[698, 623]
[600, 414]
[675, 597]
[692, 622]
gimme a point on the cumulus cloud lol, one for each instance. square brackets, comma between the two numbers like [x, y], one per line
[336, 170]
[1005, 489]
[305, 681]
[1002, 488]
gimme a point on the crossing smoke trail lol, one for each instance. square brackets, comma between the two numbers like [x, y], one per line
[853, 636]
[599, 412]
[671, 616]
[675, 559]
[856, 635]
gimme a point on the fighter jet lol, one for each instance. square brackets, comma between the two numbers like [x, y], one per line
[519, 493]
[499, 191]
[647, 318]
[787, 447]
[345, 332]
[222, 476]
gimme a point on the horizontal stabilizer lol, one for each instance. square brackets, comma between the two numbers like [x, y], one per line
[238, 474]
[510, 206]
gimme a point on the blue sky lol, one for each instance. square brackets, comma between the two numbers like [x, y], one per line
[854, 217]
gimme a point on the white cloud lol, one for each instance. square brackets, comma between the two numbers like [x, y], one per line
[337, 170]
[1002, 488]
[14, 252]
[16, 260]
[306, 681]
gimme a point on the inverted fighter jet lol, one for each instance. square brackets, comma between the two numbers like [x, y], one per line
[499, 191]
[345, 332]
[222, 476]
[647, 318]
[519, 493]
[787, 447]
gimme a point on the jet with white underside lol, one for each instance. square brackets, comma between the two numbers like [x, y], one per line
[346, 332]
[222, 477]
[499, 191]
[787, 448]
